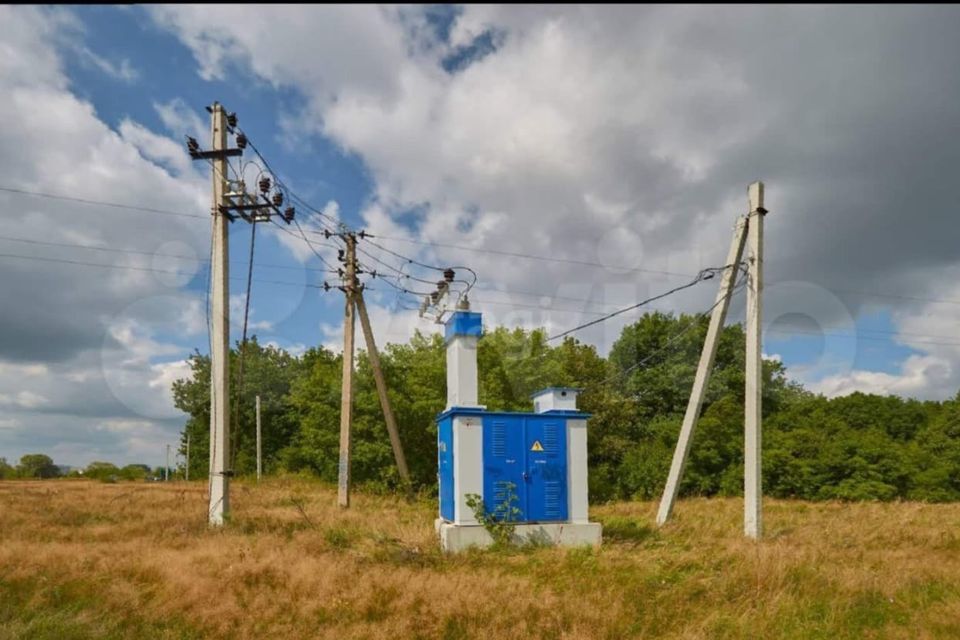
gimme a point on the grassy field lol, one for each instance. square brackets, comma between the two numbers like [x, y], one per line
[80, 559]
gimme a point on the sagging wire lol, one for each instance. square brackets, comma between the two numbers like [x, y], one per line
[702, 276]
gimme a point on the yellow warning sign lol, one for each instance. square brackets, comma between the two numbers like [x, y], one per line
[536, 446]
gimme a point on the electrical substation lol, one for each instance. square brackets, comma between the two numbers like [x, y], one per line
[529, 469]
[522, 470]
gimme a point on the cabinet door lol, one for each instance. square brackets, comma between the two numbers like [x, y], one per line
[445, 468]
[504, 464]
[545, 441]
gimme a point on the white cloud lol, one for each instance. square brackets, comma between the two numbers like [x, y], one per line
[530, 150]
[157, 148]
[86, 345]
[305, 247]
[932, 371]
[125, 426]
[122, 70]
[23, 400]
[627, 135]
[920, 376]
[181, 120]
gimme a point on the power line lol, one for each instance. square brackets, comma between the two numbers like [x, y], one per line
[672, 340]
[877, 294]
[857, 336]
[116, 205]
[286, 188]
[147, 253]
[145, 269]
[410, 260]
[400, 273]
[309, 244]
[238, 394]
[535, 294]
[704, 274]
[339, 225]
[527, 256]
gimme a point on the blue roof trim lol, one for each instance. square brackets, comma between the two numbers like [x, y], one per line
[543, 391]
[473, 411]
[463, 323]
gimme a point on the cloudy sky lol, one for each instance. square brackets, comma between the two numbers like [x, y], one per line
[613, 144]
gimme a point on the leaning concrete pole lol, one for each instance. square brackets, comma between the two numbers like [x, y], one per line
[219, 507]
[702, 378]
[752, 483]
[374, 355]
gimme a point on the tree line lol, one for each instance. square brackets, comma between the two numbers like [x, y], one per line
[857, 447]
[39, 466]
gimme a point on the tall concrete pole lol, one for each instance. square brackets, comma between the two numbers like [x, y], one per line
[220, 333]
[259, 443]
[186, 470]
[346, 393]
[752, 487]
[702, 378]
[381, 381]
[166, 469]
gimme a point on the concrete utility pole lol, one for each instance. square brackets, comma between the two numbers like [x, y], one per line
[702, 378]
[186, 469]
[259, 447]
[230, 201]
[752, 489]
[747, 236]
[382, 390]
[346, 394]
[220, 330]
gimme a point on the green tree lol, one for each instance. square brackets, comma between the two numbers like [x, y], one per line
[268, 371]
[134, 472]
[101, 470]
[6, 471]
[37, 465]
[858, 447]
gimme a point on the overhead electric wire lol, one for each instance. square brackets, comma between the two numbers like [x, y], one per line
[339, 226]
[303, 237]
[705, 274]
[238, 394]
[403, 289]
[670, 341]
[419, 263]
[102, 203]
[279, 181]
[147, 253]
[857, 336]
[401, 274]
[145, 269]
[503, 303]
[514, 254]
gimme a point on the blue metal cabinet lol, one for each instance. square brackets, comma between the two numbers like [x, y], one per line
[527, 453]
[546, 446]
[445, 467]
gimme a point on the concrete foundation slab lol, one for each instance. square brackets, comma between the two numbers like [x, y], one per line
[455, 538]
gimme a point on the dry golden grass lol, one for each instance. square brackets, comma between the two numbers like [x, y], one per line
[85, 560]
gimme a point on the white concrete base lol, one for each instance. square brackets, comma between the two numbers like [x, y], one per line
[455, 538]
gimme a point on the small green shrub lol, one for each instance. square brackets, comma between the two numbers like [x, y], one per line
[499, 523]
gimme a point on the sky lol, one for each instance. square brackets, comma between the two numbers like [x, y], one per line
[612, 144]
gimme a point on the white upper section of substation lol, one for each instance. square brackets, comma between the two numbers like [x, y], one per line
[555, 399]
